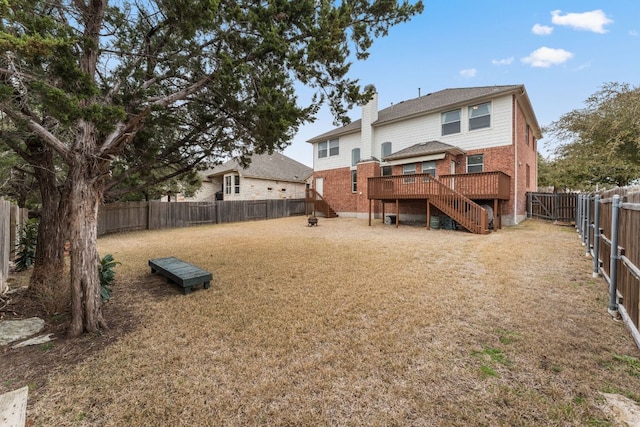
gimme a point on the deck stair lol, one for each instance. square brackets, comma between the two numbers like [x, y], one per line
[461, 209]
[320, 204]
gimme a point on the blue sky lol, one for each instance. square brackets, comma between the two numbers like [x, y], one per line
[562, 51]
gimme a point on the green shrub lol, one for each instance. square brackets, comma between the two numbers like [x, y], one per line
[107, 276]
[26, 249]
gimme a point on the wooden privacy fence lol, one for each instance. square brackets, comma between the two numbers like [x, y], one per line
[552, 206]
[154, 215]
[609, 225]
[12, 219]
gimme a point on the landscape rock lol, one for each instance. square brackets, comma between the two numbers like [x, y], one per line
[40, 339]
[13, 408]
[14, 330]
[625, 410]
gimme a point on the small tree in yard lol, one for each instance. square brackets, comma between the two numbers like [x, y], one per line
[599, 145]
[80, 80]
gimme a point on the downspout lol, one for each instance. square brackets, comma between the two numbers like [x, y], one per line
[515, 163]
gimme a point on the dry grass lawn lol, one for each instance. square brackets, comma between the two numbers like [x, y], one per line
[345, 324]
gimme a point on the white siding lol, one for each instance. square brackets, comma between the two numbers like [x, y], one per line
[347, 143]
[405, 133]
[408, 132]
[262, 189]
[206, 193]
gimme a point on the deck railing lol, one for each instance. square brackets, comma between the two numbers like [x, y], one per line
[481, 185]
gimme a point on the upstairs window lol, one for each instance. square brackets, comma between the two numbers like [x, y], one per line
[334, 147]
[526, 134]
[328, 148]
[475, 163]
[322, 149]
[480, 116]
[451, 122]
[385, 150]
[355, 156]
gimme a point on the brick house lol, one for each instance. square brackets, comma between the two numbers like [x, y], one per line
[455, 154]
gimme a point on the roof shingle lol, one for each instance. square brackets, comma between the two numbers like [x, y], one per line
[424, 149]
[276, 166]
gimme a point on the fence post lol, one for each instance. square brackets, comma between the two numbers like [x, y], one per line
[585, 213]
[579, 213]
[596, 236]
[587, 252]
[613, 263]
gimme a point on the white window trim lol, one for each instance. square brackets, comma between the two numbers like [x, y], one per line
[469, 118]
[442, 122]
[475, 164]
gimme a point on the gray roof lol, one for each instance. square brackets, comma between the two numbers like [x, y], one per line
[424, 149]
[275, 167]
[426, 104]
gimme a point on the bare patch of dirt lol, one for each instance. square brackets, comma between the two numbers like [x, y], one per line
[32, 365]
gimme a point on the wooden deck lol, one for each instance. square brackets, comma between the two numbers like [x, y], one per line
[478, 186]
[457, 196]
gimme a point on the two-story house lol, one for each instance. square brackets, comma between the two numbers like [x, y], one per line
[466, 154]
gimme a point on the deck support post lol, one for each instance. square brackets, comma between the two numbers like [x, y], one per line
[428, 215]
[497, 223]
[397, 212]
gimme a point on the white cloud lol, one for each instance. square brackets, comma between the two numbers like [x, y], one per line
[589, 21]
[505, 61]
[545, 57]
[541, 30]
[633, 33]
[468, 73]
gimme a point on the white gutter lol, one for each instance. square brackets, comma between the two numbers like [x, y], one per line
[425, 158]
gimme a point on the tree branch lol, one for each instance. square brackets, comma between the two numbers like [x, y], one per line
[146, 184]
[49, 138]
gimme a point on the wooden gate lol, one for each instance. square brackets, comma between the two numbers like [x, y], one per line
[552, 206]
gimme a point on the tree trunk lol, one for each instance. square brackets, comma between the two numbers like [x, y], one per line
[48, 269]
[85, 197]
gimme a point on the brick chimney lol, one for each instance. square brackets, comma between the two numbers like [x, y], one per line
[369, 115]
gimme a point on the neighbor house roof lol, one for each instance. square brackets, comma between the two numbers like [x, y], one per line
[435, 102]
[275, 167]
[425, 149]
